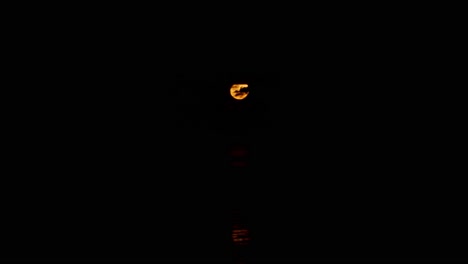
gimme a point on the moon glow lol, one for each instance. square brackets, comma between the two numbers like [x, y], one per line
[239, 91]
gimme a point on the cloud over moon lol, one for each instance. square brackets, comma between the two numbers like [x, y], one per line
[239, 91]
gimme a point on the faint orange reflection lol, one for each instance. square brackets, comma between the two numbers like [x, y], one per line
[238, 152]
[240, 236]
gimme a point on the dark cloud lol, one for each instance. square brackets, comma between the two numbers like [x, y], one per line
[242, 91]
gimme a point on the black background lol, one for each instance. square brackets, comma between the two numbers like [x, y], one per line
[340, 170]
[111, 154]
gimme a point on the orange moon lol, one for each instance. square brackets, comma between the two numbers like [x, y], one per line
[239, 92]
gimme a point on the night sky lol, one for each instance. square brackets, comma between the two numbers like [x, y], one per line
[116, 137]
[339, 168]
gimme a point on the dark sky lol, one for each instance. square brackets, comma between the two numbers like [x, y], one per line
[341, 163]
[111, 153]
